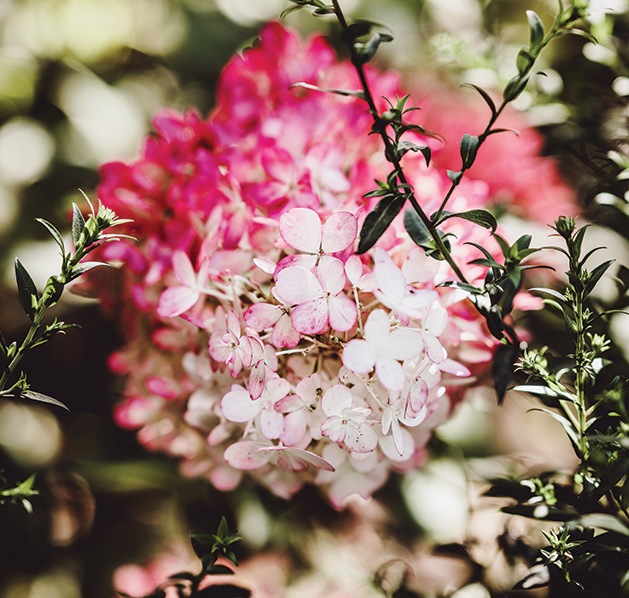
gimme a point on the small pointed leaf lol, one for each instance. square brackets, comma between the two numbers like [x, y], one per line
[378, 220]
[56, 235]
[468, 148]
[42, 398]
[480, 217]
[26, 289]
[536, 29]
[485, 96]
[78, 224]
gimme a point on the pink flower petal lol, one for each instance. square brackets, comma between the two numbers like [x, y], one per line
[331, 274]
[301, 229]
[246, 455]
[183, 269]
[176, 300]
[297, 284]
[284, 335]
[339, 232]
[361, 440]
[388, 276]
[261, 316]
[403, 343]
[377, 327]
[434, 349]
[311, 317]
[342, 313]
[294, 427]
[295, 459]
[354, 269]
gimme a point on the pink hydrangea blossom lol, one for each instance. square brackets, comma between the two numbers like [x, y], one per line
[256, 342]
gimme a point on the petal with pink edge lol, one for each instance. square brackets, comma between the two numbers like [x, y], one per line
[176, 300]
[246, 454]
[361, 440]
[261, 316]
[342, 313]
[297, 284]
[339, 232]
[301, 229]
[311, 317]
[237, 406]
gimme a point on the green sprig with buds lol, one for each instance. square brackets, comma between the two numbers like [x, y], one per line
[87, 235]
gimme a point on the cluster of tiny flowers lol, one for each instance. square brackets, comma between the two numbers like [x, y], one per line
[257, 342]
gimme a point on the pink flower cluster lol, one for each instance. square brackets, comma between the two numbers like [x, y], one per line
[257, 342]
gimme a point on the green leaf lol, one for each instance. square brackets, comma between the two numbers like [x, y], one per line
[378, 220]
[485, 96]
[365, 52]
[183, 575]
[502, 368]
[536, 30]
[78, 224]
[468, 148]
[455, 176]
[405, 146]
[603, 521]
[524, 61]
[481, 217]
[567, 426]
[26, 289]
[83, 267]
[515, 87]
[544, 391]
[56, 235]
[595, 276]
[421, 236]
[494, 321]
[42, 398]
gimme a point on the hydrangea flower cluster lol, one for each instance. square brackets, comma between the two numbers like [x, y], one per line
[257, 342]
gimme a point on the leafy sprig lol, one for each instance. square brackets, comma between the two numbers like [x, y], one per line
[593, 542]
[494, 300]
[209, 548]
[87, 235]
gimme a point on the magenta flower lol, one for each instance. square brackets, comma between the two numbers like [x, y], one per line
[317, 296]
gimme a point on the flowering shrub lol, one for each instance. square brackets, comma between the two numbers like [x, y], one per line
[257, 341]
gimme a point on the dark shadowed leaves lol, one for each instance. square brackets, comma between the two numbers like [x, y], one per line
[502, 368]
[378, 220]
